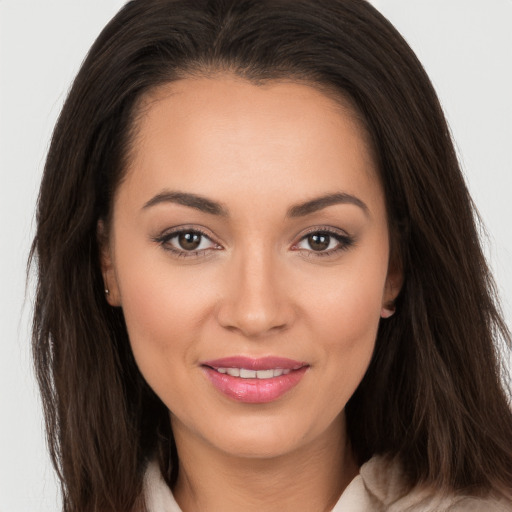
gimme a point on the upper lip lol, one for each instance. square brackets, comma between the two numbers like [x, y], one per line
[250, 363]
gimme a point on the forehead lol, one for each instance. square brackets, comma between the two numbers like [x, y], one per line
[223, 135]
[221, 97]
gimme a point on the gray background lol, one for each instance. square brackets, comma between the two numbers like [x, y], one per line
[465, 45]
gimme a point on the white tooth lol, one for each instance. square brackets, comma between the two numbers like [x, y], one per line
[264, 374]
[254, 374]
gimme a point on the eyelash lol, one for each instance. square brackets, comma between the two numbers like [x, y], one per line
[165, 238]
[345, 242]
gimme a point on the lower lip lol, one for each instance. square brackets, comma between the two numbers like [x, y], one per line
[254, 391]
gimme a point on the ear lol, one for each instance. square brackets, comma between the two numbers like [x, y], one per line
[111, 287]
[394, 282]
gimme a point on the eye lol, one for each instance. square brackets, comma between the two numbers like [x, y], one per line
[189, 241]
[186, 242]
[324, 242]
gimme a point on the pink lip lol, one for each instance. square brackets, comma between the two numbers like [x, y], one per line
[254, 390]
[262, 363]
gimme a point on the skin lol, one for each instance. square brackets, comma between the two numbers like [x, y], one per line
[255, 287]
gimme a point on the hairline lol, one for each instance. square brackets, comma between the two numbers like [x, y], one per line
[200, 71]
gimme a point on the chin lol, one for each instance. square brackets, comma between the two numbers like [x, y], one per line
[259, 438]
[257, 447]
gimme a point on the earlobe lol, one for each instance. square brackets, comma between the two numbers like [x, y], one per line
[394, 282]
[388, 311]
[111, 289]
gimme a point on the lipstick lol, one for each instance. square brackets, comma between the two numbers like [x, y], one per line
[256, 381]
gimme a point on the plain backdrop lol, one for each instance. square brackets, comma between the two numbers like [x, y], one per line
[465, 45]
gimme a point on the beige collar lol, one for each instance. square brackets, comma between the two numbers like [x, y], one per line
[379, 487]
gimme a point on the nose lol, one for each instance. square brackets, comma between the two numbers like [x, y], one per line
[255, 302]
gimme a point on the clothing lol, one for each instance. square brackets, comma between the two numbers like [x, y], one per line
[379, 487]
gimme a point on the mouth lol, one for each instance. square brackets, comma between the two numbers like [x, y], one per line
[244, 373]
[254, 380]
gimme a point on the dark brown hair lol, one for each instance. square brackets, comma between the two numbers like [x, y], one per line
[433, 396]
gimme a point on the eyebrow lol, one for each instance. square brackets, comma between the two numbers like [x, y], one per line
[319, 203]
[215, 208]
[191, 200]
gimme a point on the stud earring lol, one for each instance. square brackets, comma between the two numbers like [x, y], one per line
[107, 291]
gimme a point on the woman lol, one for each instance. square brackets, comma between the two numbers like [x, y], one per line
[260, 283]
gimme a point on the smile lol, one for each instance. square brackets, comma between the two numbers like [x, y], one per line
[243, 373]
[254, 381]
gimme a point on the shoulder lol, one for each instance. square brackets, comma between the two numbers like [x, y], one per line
[384, 481]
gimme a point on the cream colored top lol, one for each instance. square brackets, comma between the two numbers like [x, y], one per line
[378, 487]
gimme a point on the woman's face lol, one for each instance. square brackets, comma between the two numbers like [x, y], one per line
[249, 253]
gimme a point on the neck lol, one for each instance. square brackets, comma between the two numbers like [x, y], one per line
[310, 478]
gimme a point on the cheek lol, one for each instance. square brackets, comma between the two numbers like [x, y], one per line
[156, 305]
[348, 327]
[163, 309]
[346, 301]
[344, 311]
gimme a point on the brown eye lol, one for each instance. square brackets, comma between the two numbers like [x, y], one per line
[189, 241]
[319, 241]
[324, 243]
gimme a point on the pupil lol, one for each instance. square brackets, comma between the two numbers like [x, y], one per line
[189, 241]
[318, 242]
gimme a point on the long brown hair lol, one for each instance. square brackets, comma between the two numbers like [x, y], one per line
[433, 396]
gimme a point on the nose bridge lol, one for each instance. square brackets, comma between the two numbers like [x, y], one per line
[256, 301]
[256, 274]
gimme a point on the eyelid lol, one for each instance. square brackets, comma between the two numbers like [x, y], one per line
[345, 241]
[164, 238]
